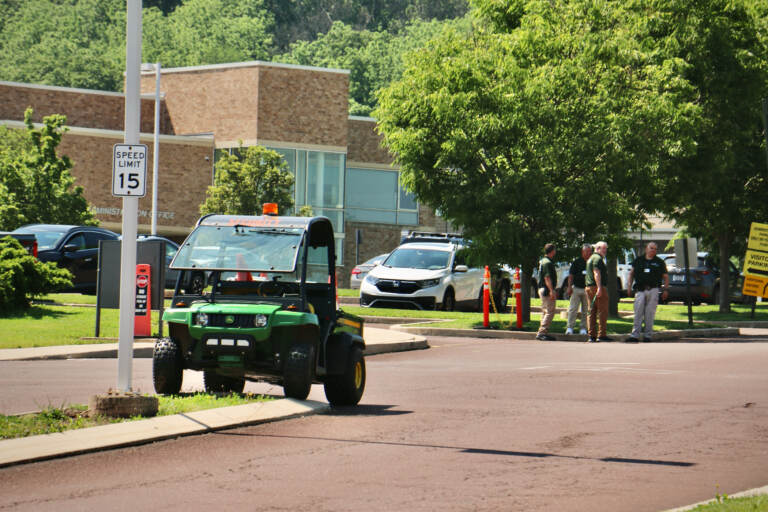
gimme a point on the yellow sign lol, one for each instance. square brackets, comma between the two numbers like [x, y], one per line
[758, 237]
[756, 264]
[755, 286]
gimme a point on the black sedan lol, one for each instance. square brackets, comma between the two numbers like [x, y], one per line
[75, 248]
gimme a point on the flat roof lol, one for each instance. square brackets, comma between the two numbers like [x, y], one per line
[250, 64]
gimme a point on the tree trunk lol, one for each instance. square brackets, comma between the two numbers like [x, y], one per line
[724, 244]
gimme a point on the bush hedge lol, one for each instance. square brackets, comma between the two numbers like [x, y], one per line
[22, 276]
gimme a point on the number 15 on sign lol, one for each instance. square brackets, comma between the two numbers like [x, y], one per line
[129, 170]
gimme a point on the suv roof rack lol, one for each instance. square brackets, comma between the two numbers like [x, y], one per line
[429, 236]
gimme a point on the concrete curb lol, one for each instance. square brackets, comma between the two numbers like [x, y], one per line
[132, 433]
[658, 336]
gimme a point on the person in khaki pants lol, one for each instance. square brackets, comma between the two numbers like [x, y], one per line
[597, 294]
[547, 280]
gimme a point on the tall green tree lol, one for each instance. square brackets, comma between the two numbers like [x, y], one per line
[374, 58]
[68, 43]
[202, 32]
[247, 179]
[36, 185]
[722, 187]
[547, 124]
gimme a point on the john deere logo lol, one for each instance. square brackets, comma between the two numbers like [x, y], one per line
[229, 319]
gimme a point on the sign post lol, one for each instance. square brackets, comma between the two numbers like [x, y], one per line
[128, 182]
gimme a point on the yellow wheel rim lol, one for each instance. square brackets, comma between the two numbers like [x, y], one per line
[358, 375]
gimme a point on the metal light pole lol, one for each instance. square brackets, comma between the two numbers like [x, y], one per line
[130, 204]
[156, 145]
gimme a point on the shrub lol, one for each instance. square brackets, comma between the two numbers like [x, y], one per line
[22, 276]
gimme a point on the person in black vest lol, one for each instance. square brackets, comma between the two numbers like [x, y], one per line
[577, 292]
[648, 272]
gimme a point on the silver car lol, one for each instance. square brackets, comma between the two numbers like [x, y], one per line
[361, 270]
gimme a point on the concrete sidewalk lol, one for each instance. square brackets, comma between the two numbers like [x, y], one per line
[129, 433]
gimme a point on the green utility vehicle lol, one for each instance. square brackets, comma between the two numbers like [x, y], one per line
[267, 311]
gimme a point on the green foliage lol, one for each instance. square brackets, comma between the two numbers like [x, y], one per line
[67, 43]
[36, 185]
[554, 131]
[303, 20]
[374, 58]
[246, 180]
[202, 32]
[23, 276]
[719, 189]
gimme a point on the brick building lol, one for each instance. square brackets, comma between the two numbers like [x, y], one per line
[341, 170]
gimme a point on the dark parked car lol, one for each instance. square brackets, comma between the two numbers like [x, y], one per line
[705, 280]
[75, 248]
[27, 241]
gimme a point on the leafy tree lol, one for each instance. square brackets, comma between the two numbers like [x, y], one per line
[548, 124]
[305, 20]
[67, 43]
[373, 58]
[208, 32]
[23, 276]
[718, 190]
[246, 180]
[36, 185]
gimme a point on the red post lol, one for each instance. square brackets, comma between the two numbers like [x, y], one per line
[142, 321]
[518, 299]
[486, 297]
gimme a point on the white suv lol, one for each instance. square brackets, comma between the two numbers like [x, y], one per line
[425, 272]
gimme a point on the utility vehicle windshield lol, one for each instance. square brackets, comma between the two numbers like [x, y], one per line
[240, 248]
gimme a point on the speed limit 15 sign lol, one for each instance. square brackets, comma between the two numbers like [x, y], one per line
[129, 170]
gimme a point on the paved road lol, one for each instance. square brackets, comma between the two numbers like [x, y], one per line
[467, 425]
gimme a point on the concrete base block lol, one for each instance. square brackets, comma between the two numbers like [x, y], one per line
[118, 404]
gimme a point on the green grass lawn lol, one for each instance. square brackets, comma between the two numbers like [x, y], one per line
[725, 504]
[59, 419]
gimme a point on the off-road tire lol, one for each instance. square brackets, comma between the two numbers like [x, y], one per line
[502, 299]
[449, 300]
[347, 389]
[167, 369]
[217, 383]
[299, 370]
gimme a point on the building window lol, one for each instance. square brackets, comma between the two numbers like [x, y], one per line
[325, 179]
[374, 195]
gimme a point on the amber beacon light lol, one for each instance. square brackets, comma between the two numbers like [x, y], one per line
[269, 209]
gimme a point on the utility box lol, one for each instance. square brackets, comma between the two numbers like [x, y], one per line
[150, 253]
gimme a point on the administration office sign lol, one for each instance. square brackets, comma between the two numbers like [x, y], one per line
[129, 170]
[756, 262]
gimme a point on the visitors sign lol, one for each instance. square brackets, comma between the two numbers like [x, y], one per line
[129, 170]
[756, 262]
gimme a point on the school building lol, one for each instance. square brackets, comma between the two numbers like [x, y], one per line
[339, 166]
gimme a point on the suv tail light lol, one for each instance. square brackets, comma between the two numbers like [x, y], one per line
[356, 271]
